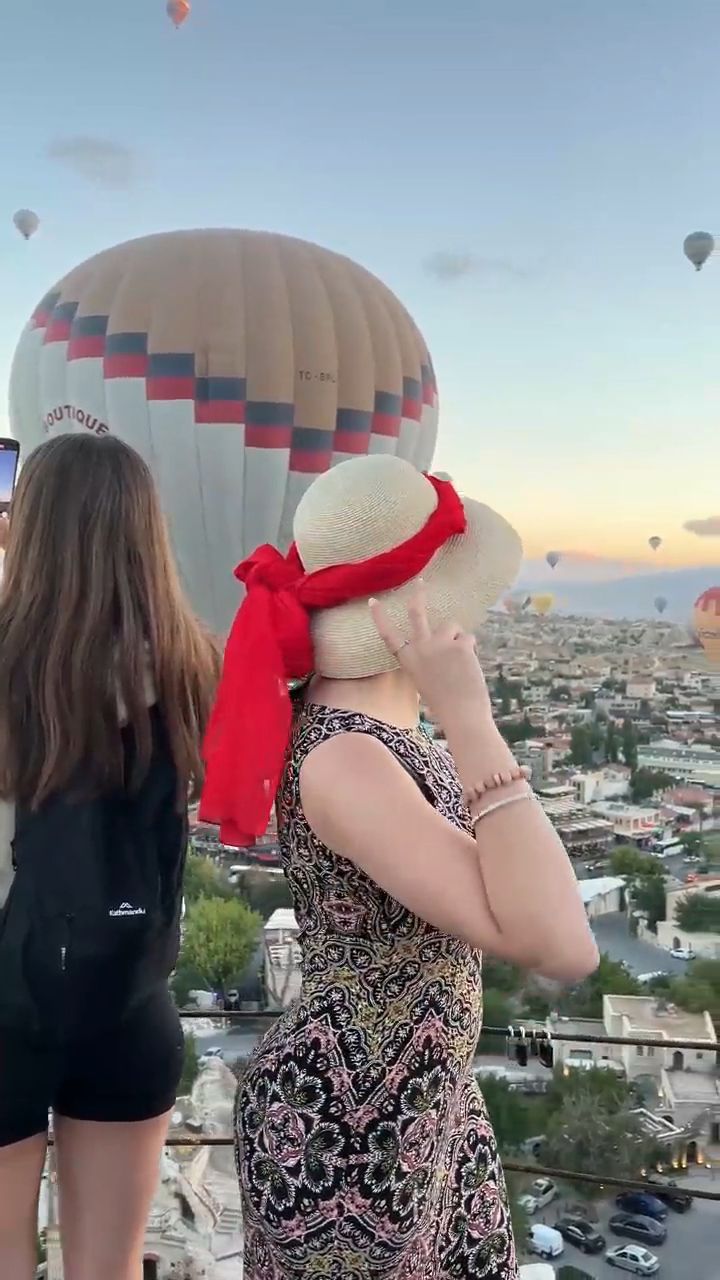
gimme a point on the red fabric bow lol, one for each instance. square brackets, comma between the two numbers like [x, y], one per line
[270, 643]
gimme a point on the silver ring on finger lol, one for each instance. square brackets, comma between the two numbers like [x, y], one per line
[400, 648]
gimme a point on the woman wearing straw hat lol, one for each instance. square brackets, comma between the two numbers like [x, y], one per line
[364, 1147]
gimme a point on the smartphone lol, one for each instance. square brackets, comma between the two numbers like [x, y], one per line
[9, 456]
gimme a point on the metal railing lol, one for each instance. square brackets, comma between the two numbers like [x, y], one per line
[509, 1035]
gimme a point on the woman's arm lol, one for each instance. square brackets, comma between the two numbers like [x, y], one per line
[361, 803]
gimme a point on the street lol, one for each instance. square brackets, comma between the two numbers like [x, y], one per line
[611, 933]
[690, 1252]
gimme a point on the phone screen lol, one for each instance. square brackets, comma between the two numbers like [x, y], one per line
[9, 452]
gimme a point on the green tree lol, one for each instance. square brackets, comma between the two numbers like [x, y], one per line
[191, 1065]
[648, 896]
[645, 782]
[612, 743]
[512, 1118]
[498, 1011]
[519, 731]
[586, 1134]
[586, 999]
[185, 979]
[581, 751]
[220, 937]
[501, 976]
[693, 842]
[629, 743]
[698, 913]
[264, 893]
[699, 988]
[203, 880]
[626, 860]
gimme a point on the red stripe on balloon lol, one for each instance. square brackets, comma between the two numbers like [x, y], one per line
[85, 348]
[58, 331]
[125, 366]
[217, 411]
[351, 442]
[412, 409]
[268, 437]
[171, 388]
[386, 424]
[302, 460]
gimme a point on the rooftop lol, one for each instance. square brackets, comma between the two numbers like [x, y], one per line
[645, 1013]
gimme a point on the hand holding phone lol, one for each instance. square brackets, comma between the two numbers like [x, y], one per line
[9, 456]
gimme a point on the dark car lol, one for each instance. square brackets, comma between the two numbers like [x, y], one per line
[643, 1203]
[580, 1233]
[667, 1190]
[636, 1227]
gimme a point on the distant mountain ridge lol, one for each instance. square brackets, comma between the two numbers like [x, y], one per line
[630, 596]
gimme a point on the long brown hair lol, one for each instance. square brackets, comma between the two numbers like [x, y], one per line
[91, 608]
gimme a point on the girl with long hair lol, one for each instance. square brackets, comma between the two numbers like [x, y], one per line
[106, 679]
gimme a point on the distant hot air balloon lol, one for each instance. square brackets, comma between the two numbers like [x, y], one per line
[26, 222]
[553, 558]
[660, 604]
[655, 542]
[697, 248]
[178, 11]
[542, 604]
[706, 621]
[240, 364]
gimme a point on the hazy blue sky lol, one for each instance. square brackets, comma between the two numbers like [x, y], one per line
[566, 148]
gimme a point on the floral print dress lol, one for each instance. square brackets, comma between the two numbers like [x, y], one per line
[364, 1148]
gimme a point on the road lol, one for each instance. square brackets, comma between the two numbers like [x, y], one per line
[689, 1253]
[612, 935]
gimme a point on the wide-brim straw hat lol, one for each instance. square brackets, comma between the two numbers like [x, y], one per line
[366, 506]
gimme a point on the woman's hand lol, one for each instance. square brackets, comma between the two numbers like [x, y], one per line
[443, 664]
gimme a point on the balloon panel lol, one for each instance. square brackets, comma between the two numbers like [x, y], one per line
[240, 365]
[706, 619]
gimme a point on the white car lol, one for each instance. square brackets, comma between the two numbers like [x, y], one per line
[544, 1241]
[682, 953]
[543, 1192]
[633, 1258]
[528, 1203]
[210, 1054]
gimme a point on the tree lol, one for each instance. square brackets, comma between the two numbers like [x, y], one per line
[512, 1118]
[191, 1065]
[220, 937]
[264, 893]
[612, 743]
[648, 896]
[626, 860]
[629, 743]
[501, 976]
[185, 979]
[589, 1133]
[645, 782]
[518, 731]
[698, 913]
[693, 842]
[203, 880]
[498, 1011]
[699, 988]
[581, 751]
[586, 999]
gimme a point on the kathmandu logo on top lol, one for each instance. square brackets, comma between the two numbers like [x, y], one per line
[125, 909]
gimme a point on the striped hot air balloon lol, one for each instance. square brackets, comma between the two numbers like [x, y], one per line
[240, 364]
[706, 621]
[177, 11]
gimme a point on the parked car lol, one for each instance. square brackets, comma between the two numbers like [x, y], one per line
[544, 1192]
[667, 1190]
[643, 1203]
[581, 1233]
[528, 1203]
[682, 953]
[544, 1241]
[209, 1054]
[637, 1227]
[630, 1257]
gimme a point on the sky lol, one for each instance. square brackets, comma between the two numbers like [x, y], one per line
[522, 176]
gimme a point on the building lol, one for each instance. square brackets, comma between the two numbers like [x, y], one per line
[692, 763]
[602, 896]
[283, 959]
[630, 821]
[609, 783]
[669, 933]
[642, 688]
[539, 757]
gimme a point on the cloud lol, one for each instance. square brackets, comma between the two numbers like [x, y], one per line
[98, 160]
[707, 528]
[445, 265]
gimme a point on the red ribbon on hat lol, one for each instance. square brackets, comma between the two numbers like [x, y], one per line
[270, 643]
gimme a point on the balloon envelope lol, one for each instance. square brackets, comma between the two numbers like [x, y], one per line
[655, 542]
[542, 604]
[660, 604]
[239, 364]
[178, 11]
[26, 222]
[706, 621]
[553, 558]
[697, 247]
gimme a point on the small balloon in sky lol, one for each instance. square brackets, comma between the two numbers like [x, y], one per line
[697, 248]
[27, 222]
[660, 604]
[655, 542]
[553, 558]
[178, 11]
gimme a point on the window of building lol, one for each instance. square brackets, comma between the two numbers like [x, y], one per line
[699, 1056]
[639, 1050]
[651, 1052]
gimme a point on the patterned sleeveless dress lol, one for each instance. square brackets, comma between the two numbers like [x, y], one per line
[364, 1149]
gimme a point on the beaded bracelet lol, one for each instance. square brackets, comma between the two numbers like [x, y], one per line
[520, 773]
[499, 804]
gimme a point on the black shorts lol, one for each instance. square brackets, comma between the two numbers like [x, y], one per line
[128, 1072]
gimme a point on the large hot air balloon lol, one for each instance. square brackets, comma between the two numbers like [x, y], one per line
[660, 604]
[240, 364]
[697, 248]
[655, 542]
[553, 558]
[27, 222]
[542, 604]
[706, 620]
[178, 11]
